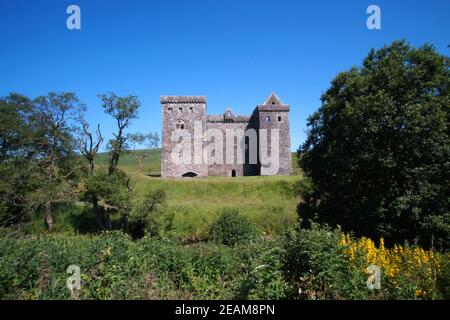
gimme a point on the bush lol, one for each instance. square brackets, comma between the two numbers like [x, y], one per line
[327, 264]
[147, 219]
[114, 267]
[314, 262]
[264, 278]
[378, 147]
[231, 228]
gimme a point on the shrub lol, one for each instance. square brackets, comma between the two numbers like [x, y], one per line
[407, 272]
[231, 228]
[147, 217]
[327, 264]
[314, 262]
[264, 277]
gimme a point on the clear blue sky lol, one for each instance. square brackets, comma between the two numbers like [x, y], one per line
[234, 52]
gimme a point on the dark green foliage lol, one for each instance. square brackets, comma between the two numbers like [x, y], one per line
[266, 280]
[147, 217]
[314, 262]
[114, 267]
[231, 228]
[37, 159]
[378, 148]
[112, 190]
[444, 280]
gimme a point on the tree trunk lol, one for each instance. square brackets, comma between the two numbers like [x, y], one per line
[126, 221]
[98, 216]
[48, 216]
[107, 218]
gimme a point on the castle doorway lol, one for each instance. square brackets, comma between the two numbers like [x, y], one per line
[233, 173]
[189, 174]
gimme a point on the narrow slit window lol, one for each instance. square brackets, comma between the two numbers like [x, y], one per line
[279, 118]
[267, 118]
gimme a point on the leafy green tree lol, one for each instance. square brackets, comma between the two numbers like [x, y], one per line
[19, 176]
[111, 192]
[16, 130]
[36, 156]
[378, 148]
[54, 119]
[123, 110]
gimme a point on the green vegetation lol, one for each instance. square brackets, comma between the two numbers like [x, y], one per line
[310, 265]
[375, 165]
[231, 228]
[150, 165]
[268, 202]
[378, 148]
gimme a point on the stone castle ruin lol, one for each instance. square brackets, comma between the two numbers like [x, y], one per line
[224, 145]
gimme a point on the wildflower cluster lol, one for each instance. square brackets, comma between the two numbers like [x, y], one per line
[399, 265]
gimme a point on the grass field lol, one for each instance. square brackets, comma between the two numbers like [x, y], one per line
[269, 202]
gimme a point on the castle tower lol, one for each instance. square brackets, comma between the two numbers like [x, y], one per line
[274, 114]
[181, 114]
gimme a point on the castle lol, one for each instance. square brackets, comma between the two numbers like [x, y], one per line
[267, 125]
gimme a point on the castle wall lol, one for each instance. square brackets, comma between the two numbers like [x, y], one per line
[181, 112]
[225, 169]
[276, 118]
[177, 112]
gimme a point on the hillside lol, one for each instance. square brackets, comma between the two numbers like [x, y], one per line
[152, 164]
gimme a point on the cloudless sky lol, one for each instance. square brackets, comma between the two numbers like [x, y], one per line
[235, 52]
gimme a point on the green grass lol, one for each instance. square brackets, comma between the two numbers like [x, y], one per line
[151, 164]
[269, 202]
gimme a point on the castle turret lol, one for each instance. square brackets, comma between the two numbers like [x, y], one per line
[273, 115]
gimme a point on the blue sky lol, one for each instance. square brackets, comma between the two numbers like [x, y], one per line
[235, 52]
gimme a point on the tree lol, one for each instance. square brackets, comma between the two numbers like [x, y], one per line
[20, 175]
[146, 217]
[89, 146]
[123, 110]
[378, 148]
[150, 140]
[55, 145]
[111, 192]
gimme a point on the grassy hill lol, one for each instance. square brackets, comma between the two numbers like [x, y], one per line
[152, 164]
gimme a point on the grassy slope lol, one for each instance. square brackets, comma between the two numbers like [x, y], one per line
[268, 201]
[152, 164]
